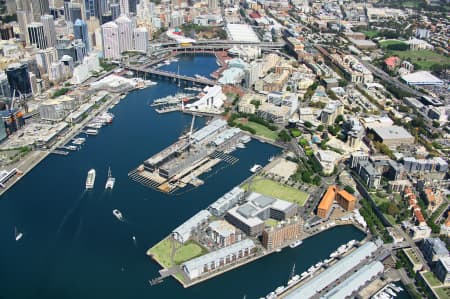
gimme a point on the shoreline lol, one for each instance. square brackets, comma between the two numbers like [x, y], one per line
[255, 257]
[31, 162]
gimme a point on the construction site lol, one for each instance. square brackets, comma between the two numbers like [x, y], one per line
[194, 154]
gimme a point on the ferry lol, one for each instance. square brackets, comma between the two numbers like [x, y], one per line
[17, 235]
[110, 181]
[92, 131]
[118, 214]
[255, 168]
[295, 244]
[90, 180]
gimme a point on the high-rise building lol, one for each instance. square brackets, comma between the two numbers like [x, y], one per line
[124, 7]
[176, 18]
[49, 30]
[44, 59]
[39, 8]
[115, 10]
[66, 10]
[18, 78]
[80, 31]
[11, 7]
[5, 91]
[110, 40]
[6, 32]
[140, 36]
[212, 4]
[36, 35]
[132, 6]
[23, 18]
[125, 26]
[91, 8]
[75, 12]
[106, 17]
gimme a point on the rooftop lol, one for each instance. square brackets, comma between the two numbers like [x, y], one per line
[392, 132]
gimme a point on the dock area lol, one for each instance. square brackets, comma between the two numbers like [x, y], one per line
[194, 154]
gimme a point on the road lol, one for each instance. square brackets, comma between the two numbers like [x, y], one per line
[385, 77]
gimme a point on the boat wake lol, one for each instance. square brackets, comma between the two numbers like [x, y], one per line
[69, 213]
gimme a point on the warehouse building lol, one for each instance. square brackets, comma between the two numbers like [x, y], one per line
[355, 281]
[327, 277]
[393, 136]
[227, 201]
[184, 231]
[218, 259]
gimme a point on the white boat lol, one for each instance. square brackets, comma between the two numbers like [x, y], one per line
[118, 214]
[110, 181]
[278, 250]
[149, 83]
[296, 243]
[92, 131]
[79, 141]
[240, 145]
[270, 159]
[255, 168]
[90, 180]
[17, 235]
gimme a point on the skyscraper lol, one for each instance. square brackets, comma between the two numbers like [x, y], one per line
[80, 31]
[75, 12]
[39, 8]
[212, 4]
[66, 10]
[36, 35]
[18, 78]
[24, 18]
[132, 4]
[124, 7]
[140, 37]
[49, 30]
[110, 39]
[125, 33]
[115, 10]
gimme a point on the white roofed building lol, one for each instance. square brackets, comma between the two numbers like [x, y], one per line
[184, 231]
[210, 101]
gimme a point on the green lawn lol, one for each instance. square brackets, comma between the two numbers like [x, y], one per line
[271, 222]
[424, 58]
[274, 189]
[162, 250]
[443, 292]
[432, 280]
[385, 43]
[371, 33]
[262, 130]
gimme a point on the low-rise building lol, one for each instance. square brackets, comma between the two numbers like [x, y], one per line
[433, 249]
[218, 259]
[328, 160]
[226, 201]
[442, 269]
[222, 233]
[251, 216]
[184, 231]
[392, 136]
[342, 197]
[283, 233]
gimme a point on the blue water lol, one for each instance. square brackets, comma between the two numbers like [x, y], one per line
[73, 247]
[188, 65]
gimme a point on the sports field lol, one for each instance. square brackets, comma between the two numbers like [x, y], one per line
[274, 189]
[161, 252]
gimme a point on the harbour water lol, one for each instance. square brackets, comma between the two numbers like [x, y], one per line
[74, 247]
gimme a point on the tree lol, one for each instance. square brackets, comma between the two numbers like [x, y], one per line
[317, 180]
[255, 103]
[307, 124]
[436, 124]
[349, 189]
[339, 119]
[284, 136]
[320, 128]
